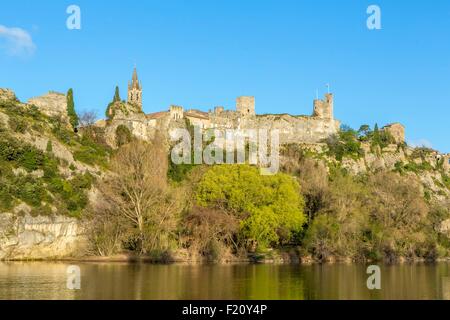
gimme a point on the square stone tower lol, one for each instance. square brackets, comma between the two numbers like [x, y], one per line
[245, 105]
[324, 108]
[397, 131]
[176, 112]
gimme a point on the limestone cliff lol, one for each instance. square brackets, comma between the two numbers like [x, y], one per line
[46, 175]
[23, 237]
[52, 104]
[47, 170]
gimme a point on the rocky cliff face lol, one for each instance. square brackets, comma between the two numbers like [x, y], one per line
[23, 236]
[27, 231]
[52, 104]
[6, 94]
[43, 237]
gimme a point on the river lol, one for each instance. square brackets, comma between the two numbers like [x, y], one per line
[48, 280]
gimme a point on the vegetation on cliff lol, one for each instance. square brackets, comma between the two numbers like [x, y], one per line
[73, 117]
[37, 162]
[134, 200]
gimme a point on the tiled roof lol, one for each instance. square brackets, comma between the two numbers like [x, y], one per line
[156, 115]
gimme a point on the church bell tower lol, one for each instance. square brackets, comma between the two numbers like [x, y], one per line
[135, 91]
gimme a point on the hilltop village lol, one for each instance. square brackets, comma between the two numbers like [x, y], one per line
[340, 193]
[312, 129]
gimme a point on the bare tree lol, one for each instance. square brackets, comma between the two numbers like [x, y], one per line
[206, 227]
[106, 229]
[397, 201]
[138, 190]
[87, 118]
[87, 125]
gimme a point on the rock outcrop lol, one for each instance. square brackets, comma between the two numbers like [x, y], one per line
[24, 237]
[52, 104]
[7, 94]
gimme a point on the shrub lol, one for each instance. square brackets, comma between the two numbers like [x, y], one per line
[17, 124]
[31, 158]
[344, 144]
[24, 155]
[178, 172]
[30, 190]
[417, 168]
[446, 180]
[49, 147]
[61, 133]
[208, 231]
[50, 167]
[123, 135]
[6, 199]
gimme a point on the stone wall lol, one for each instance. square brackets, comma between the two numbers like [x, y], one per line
[138, 124]
[397, 131]
[292, 129]
[446, 162]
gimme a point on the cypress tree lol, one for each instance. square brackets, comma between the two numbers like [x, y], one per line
[116, 95]
[116, 98]
[376, 140]
[73, 117]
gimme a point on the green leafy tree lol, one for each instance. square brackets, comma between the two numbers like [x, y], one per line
[270, 208]
[73, 117]
[364, 132]
[376, 139]
[345, 143]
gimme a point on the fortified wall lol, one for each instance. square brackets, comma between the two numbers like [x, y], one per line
[293, 129]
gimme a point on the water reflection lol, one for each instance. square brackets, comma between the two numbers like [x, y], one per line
[43, 280]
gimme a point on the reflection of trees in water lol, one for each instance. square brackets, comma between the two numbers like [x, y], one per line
[41, 280]
[401, 281]
[145, 281]
[336, 281]
[34, 280]
[446, 288]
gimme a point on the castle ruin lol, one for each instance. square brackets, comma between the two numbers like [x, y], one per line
[292, 128]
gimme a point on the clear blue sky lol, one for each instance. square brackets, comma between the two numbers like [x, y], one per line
[199, 54]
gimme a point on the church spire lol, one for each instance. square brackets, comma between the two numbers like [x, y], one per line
[135, 80]
[135, 90]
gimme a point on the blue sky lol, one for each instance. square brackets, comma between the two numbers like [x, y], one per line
[200, 54]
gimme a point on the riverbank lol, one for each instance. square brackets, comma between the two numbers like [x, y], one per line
[274, 256]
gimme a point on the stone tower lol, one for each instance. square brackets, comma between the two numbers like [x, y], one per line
[176, 112]
[135, 91]
[324, 108]
[245, 106]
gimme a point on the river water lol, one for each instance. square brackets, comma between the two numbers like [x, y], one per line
[49, 280]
